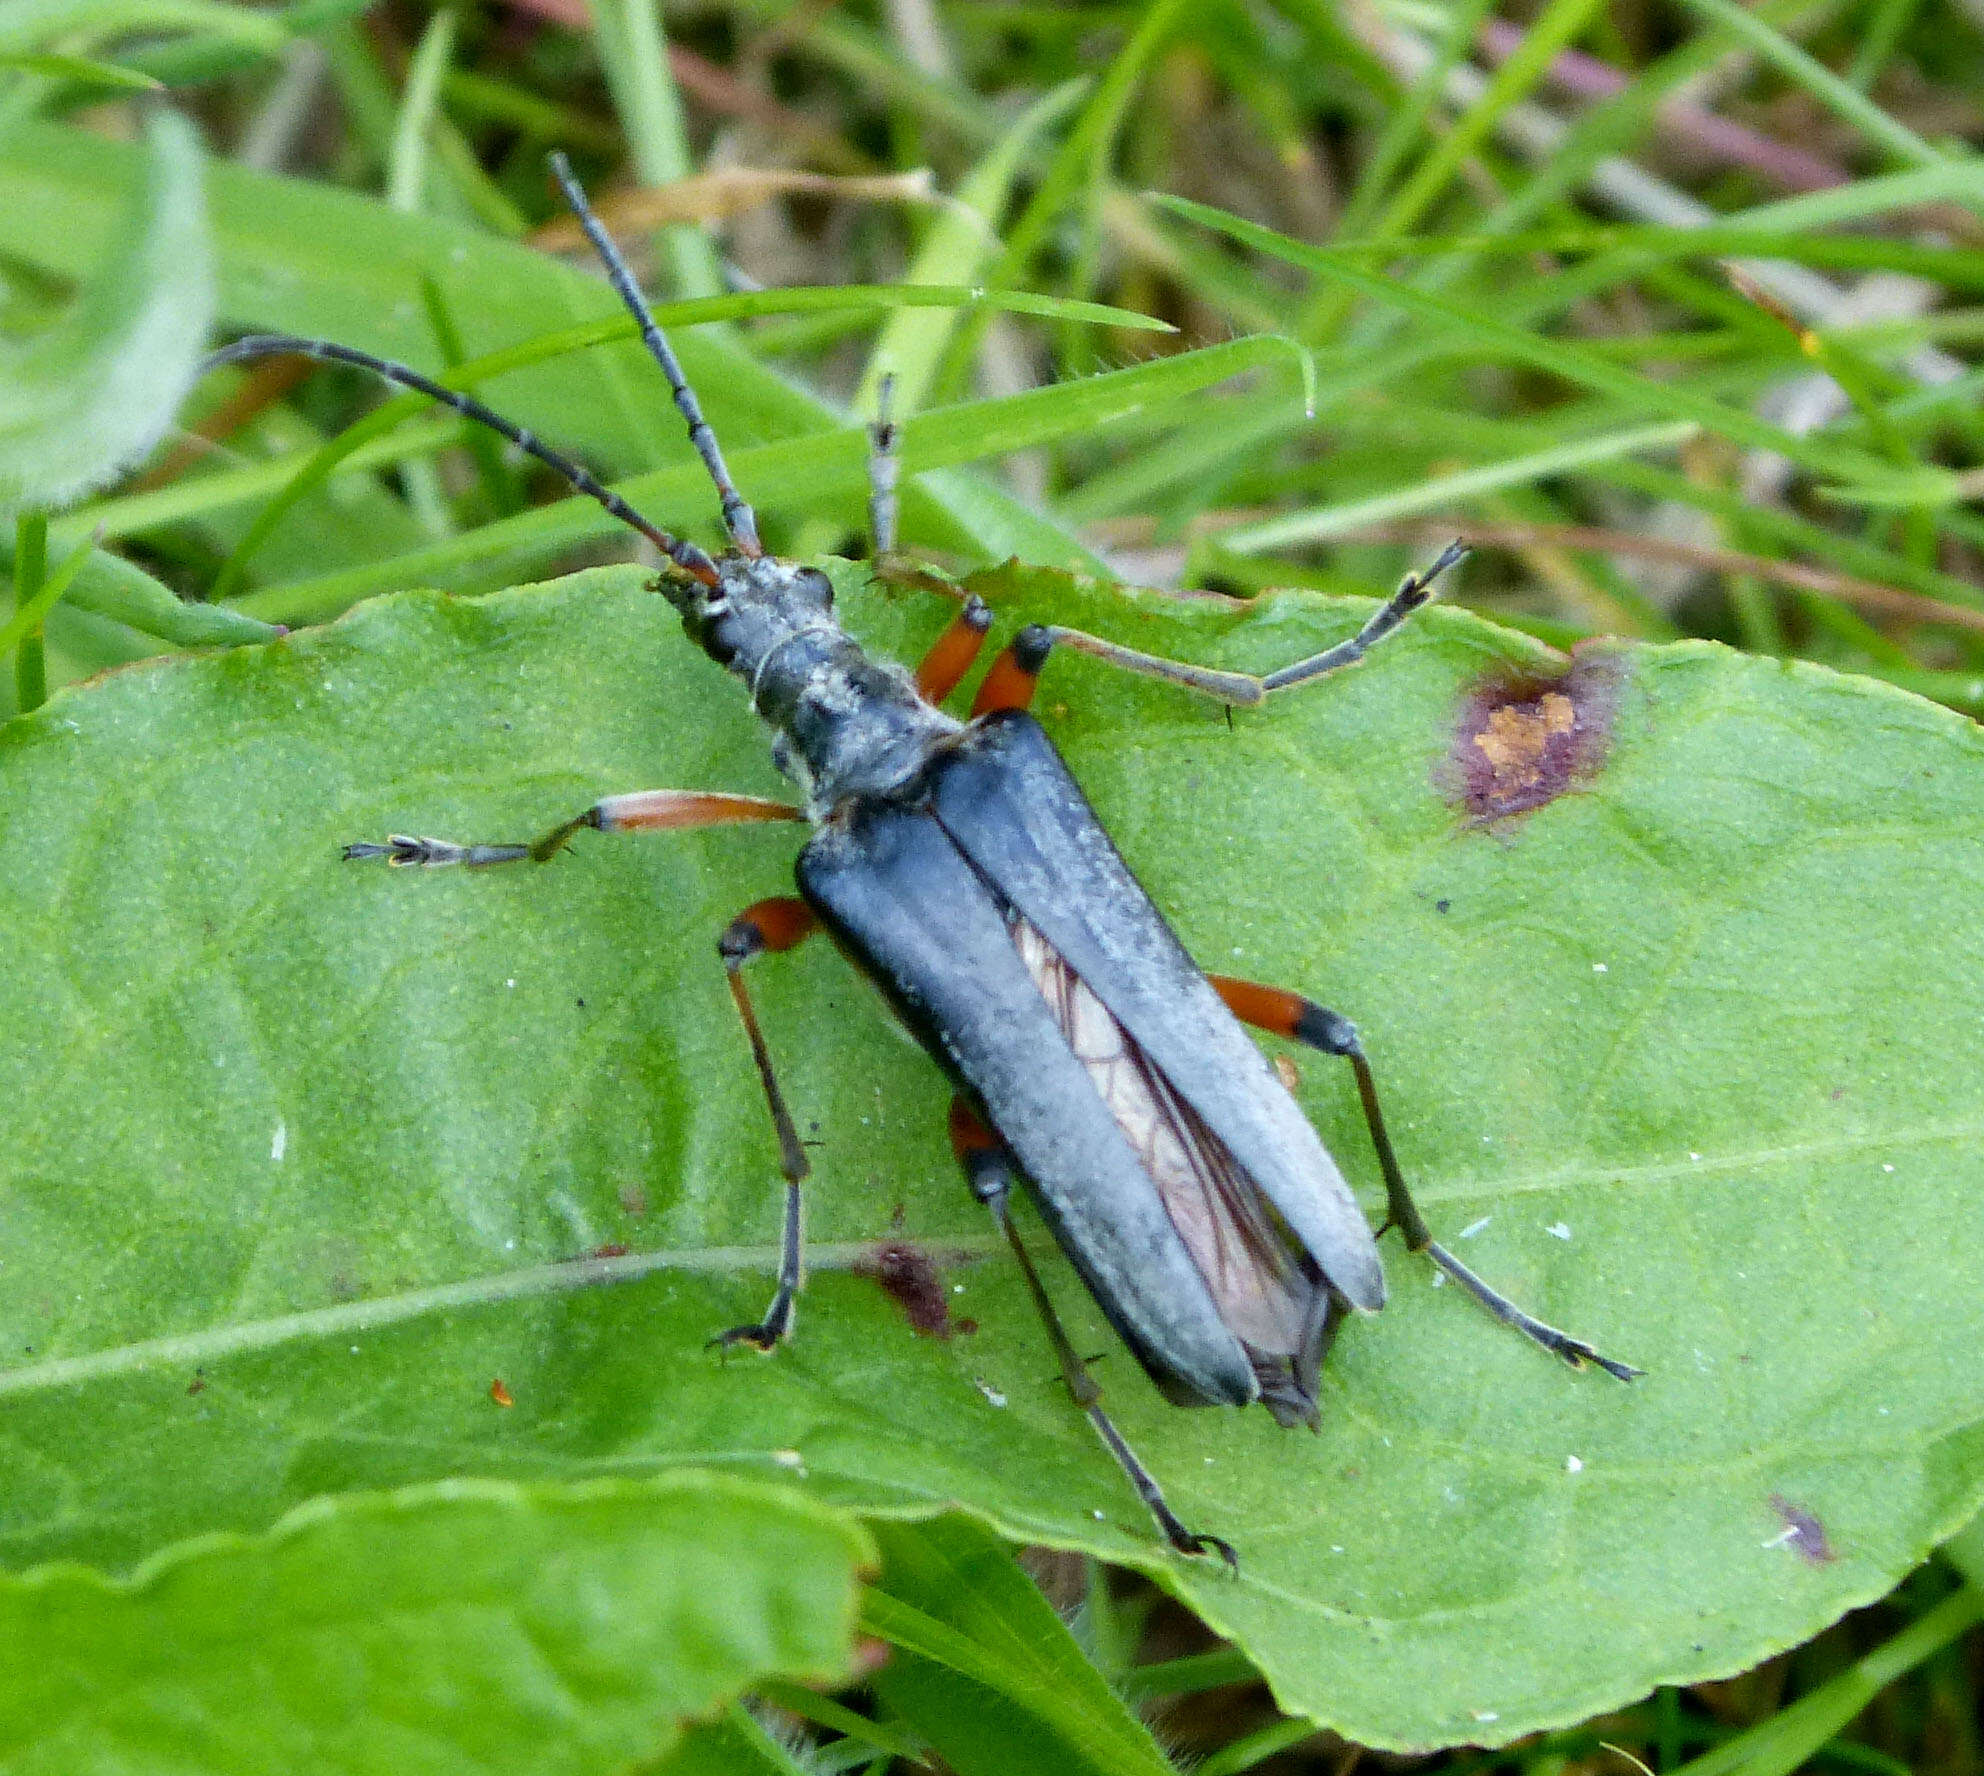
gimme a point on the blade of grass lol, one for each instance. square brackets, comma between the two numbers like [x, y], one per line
[29, 24]
[35, 595]
[1559, 23]
[406, 161]
[1785, 1740]
[500, 487]
[1845, 101]
[1493, 337]
[80, 71]
[317, 260]
[1408, 119]
[1960, 268]
[1255, 1748]
[1426, 495]
[800, 474]
[963, 237]
[1190, 1675]
[633, 55]
[824, 1711]
[30, 569]
[202, 496]
[1079, 161]
[676, 315]
[953, 1598]
[207, 56]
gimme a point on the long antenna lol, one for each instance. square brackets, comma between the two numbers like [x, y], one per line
[739, 521]
[685, 555]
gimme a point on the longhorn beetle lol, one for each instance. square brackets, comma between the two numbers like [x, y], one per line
[959, 866]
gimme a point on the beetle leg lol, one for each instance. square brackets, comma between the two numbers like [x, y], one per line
[882, 466]
[1015, 674]
[646, 810]
[951, 655]
[990, 1169]
[1303, 1020]
[777, 925]
[1231, 688]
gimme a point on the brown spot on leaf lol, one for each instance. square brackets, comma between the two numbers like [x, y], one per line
[1523, 741]
[907, 1274]
[1803, 1531]
[1285, 1071]
[612, 1249]
[500, 1394]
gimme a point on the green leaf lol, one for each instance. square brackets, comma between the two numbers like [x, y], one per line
[985, 1670]
[342, 1143]
[31, 23]
[80, 71]
[487, 1625]
[94, 392]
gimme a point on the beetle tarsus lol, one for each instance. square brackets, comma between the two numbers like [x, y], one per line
[991, 1169]
[1316, 1026]
[765, 1337]
[1573, 1351]
[1199, 1543]
[403, 851]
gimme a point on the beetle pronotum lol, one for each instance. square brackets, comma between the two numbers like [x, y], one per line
[958, 864]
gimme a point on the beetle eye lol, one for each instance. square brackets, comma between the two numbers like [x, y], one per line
[819, 585]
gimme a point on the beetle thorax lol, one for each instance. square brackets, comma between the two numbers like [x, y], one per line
[848, 725]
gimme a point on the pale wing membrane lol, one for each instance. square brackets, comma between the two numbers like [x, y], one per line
[1269, 1292]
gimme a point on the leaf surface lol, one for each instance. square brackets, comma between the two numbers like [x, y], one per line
[1685, 1057]
[545, 1628]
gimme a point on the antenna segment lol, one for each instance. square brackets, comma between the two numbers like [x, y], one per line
[684, 554]
[740, 523]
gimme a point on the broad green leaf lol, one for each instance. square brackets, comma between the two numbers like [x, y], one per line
[95, 392]
[1686, 1058]
[488, 1625]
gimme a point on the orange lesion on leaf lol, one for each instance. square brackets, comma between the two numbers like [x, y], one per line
[1517, 738]
[1522, 742]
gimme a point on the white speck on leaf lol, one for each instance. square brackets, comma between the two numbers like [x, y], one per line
[279, 1145]
[1558, 1230]
[1572, 1465]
